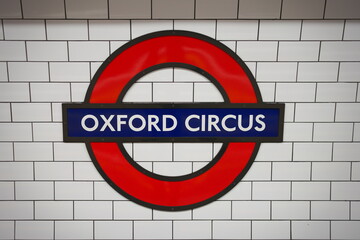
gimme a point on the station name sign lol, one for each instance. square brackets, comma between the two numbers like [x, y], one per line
[241, 123]
[173, 122]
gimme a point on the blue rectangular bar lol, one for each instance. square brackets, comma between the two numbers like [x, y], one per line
[173, 122]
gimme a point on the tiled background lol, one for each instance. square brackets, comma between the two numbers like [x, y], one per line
[304, 188]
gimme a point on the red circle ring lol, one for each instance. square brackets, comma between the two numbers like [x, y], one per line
[173, 48]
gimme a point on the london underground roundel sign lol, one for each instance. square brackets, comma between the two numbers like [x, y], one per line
[241, 123]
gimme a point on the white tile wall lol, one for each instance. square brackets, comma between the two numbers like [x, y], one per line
[257, 50]
[290, 210]
[109, 30]
[349, 71]
[251, 210]
[153, 230]
[339, 51]
[88, 51]
[32, 190]
[321, 210]
[311, 229]
[280, 30]
[205, 27]
[318, 72]
[303, 188]
[352, 30]
[69, 72]
[322, 30]
[141, 27]
[28, 71]
[34, 229]
[311, 191]
[231, 230]
[237, 30]
[271, 230]
[24, 29]
[276, 72]
[71, 230]
[113, 230]
[298, 51]
[47, 51]
[12, 51]
[31, 151]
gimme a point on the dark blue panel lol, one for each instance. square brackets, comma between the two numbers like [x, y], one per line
[201, 122]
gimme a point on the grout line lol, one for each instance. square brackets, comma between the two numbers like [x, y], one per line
[3, 29]
[350, 217]
[281, 8]
[152, 91]
[68, 51]
[26, 52]
[21, 9]
[65, 10]
[343, 32]
[227, 40]
[133, 229]
[193, 92]
[11, 113]
[238, 9]
[14, 221]
[251, 190]
[88, 29]
[319, 54]
[113, 210]
[14, 192]
[70, 88]
[32, 131]
[251, 229]
[46, 35]
[54, 229]
[187, 19]
[49, 72]
[324, 9]
[53, 151]
[216, 28]
[7, 71]
[51, 112]
[33, 210]
[108, 8]
[93, 195]
[151, 9]
[130, 22]
[194, 9]
[93, 230]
